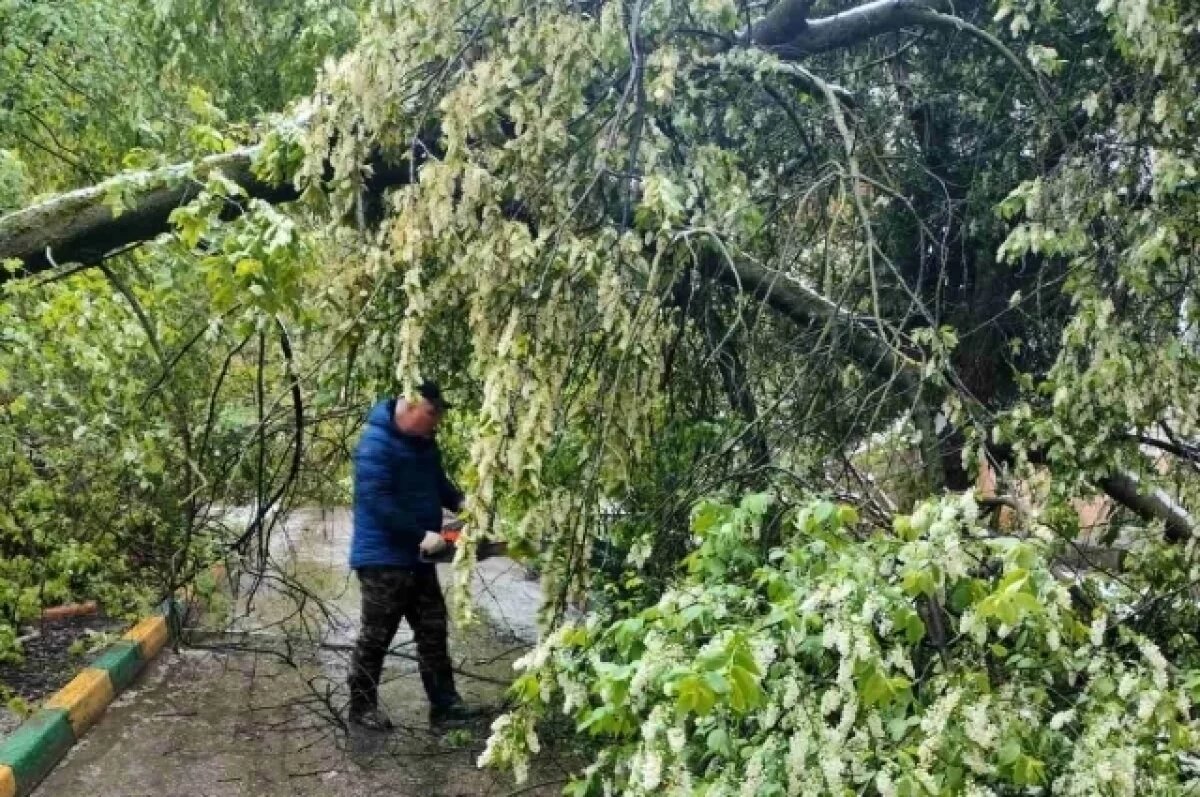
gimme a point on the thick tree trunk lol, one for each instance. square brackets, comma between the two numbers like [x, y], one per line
[786, 20]
[1125, 489]
[803, 305]
[82, 226]
[859, 24]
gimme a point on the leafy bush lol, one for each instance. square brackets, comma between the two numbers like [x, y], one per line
[10, 648]
[937, 659]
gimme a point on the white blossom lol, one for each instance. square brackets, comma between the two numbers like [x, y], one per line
[1158, 664]
[763, 648]
[1062, 718]
[979, 726]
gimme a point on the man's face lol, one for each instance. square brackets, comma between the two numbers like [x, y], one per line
[420, 418]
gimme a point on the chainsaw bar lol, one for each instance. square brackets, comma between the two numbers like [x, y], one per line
[485, 550]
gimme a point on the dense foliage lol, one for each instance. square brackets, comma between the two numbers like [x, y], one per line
[127, 419]
[821, 668]
[669, 253]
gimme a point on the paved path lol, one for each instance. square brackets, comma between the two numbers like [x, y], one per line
[253, 714]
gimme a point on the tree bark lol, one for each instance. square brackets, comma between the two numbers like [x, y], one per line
[79, 227]
[803, 305]
[784, 22]
[856, 25]
[1125, 489]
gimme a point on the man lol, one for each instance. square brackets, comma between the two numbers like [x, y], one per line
[400, 489]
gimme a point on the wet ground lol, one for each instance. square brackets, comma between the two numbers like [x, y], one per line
[254, 708]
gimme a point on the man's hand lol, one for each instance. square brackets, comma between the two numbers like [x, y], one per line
[432, 544]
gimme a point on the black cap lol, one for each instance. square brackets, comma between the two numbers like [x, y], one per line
[430, 391]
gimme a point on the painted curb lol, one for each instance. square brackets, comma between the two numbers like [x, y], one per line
[84, 698]
[32, 751]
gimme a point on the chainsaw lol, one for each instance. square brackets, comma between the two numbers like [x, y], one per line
[485, 550]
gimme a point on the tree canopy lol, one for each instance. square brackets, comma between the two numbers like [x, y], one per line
[741, 298]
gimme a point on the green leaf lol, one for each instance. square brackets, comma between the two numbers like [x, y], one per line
[745, 694]
[248, 267]
[1009, 752]
[708, 515]
[914, 628]
[1028, 771]
[873, 690]
[692, 614]
[757, 504]
[718, 742]
[1026, 603]
[898, 727]
[740, 655]
[1013, 579]
[189, 225]
[1006, 610]
[717, 682]
[877, 689]
[966, 592]
[919, 581]
[578, 787]
[599, 720]
[694, 695]
[781, 615]
[525, 688]
[114, 199]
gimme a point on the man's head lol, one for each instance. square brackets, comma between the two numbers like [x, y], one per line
[420, 418]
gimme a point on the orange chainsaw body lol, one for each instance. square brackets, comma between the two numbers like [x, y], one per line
[485, 550]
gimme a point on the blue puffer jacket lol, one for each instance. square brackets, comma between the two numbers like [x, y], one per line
[399, 491]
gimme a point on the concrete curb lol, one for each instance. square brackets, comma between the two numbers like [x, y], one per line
[28, 755]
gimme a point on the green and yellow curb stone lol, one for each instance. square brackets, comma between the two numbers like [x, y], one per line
[8, 783]
[84, 698]
[28, 755]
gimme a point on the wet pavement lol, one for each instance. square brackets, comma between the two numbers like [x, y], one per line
[253, 708]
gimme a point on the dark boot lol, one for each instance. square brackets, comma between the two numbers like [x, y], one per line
[439, 686]
[372, 718]
[453, 712]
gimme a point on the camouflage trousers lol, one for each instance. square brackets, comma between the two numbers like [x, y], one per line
[389, 595]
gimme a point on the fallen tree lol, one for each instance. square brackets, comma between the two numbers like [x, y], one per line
[83, 226]
[668, 265]
[90, 224]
